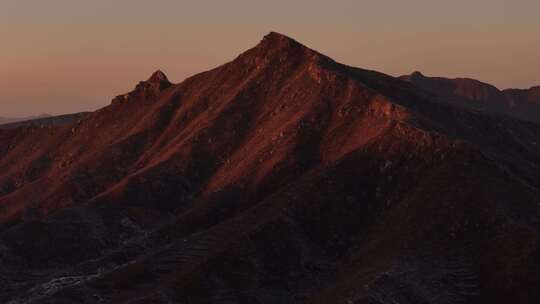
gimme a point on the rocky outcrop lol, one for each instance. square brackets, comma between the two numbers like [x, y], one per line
[149, 89]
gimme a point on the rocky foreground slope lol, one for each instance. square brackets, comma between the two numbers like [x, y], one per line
[279, 177]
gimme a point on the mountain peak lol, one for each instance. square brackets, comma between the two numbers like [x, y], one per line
[279, 49]
[275, 37]
[276, 42]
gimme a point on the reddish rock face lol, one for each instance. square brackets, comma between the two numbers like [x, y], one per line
[280, 177]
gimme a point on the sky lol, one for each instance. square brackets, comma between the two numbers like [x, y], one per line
[64, 56]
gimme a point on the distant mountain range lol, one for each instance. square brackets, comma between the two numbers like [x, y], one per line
[282, 176]
[42, 120]
[474, 94]
[5, 120]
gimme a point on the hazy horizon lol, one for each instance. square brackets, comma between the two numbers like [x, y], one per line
[60, 56]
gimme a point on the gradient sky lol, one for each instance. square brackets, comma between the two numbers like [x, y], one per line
[61, 56]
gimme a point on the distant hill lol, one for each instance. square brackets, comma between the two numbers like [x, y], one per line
[473, 94]
[43, 121]
[5, 120]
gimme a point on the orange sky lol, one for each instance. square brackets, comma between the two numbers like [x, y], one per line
[61, 56]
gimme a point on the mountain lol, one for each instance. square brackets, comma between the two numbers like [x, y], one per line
[474, 94]
[279, 177]
[6, 120]
[43, 121]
